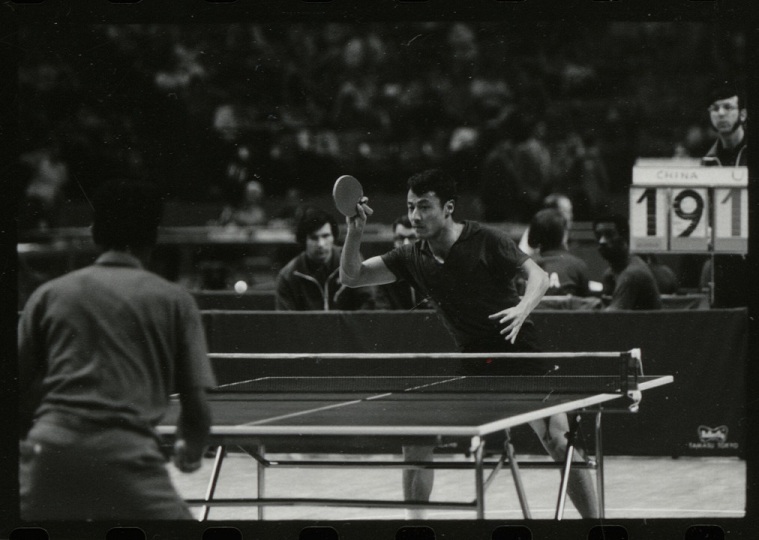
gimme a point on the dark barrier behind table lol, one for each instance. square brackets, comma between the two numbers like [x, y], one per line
[702, 413]
[264, 300]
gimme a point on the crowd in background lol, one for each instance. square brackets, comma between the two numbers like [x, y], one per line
[513, 112]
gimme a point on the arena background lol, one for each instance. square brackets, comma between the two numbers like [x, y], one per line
[202, 109]
[379, 100]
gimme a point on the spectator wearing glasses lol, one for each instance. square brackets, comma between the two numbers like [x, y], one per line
[727, 114]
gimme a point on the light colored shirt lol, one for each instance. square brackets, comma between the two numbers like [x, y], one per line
[109, 343]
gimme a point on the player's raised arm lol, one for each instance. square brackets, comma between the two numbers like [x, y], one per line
[353, 271]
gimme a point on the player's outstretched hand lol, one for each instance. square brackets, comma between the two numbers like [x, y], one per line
[512, 320]
[181, 459]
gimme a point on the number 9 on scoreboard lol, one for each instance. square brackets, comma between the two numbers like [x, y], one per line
[689, 219]
[648, 219]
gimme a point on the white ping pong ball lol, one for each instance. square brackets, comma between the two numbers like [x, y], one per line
[241, 287]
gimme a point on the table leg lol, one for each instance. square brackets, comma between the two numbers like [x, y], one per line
[600, 468]
[212, 483]
[517, 476]
[478, 451]
[261, 488]
[574, 423]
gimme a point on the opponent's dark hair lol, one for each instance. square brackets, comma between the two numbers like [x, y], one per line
[547, 229]
[312, 219]
[437, 181]
[126, 214]
[619, 221]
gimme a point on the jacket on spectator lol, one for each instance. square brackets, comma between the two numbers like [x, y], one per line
[299, 289]
[736, 157]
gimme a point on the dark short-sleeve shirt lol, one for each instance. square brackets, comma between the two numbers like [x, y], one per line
[110, 342]
[567, 273]
[475, 281]
[632, 288]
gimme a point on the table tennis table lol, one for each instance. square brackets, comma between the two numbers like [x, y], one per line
[268, 411]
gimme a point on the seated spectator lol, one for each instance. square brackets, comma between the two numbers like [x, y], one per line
[249, 211]
[628, 281]
[288, 212]
[557, 201]
[665, 276]
[399, 294]
[310, 281]
[44, 193]
[568, 274]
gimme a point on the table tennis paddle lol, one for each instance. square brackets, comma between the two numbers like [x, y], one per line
[347, 192]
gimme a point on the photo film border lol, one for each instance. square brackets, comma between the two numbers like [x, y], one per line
[47, 13]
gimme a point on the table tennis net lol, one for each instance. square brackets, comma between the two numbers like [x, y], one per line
[452, 373]
[431, 384]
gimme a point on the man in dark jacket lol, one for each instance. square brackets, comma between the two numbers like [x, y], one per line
[311, 280]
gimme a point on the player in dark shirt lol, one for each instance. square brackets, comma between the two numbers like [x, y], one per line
[467, 270]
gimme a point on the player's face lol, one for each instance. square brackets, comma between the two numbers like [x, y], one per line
[725, 115]
[426, 213]
[403, 235]
[610, 243]
[319, 244]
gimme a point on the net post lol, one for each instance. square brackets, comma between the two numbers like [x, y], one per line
[633, 367]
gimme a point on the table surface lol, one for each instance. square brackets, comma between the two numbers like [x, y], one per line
[455, 406]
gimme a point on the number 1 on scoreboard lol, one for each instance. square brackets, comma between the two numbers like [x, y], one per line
[731, 220]
[648, 219]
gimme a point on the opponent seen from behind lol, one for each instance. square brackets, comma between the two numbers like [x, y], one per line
[99, 351]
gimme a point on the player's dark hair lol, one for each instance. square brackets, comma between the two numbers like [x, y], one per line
[726, 89]
[312, 219]
[547, 229]
[619, 221]
[437, 181]
[126, 213]
[402, 220]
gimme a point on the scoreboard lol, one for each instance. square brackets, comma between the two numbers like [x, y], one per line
[689, 209]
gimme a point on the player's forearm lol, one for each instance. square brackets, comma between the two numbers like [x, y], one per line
[194, 423]
[350, 259]
[536, 286]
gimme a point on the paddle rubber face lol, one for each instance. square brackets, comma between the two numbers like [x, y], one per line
[347, 192]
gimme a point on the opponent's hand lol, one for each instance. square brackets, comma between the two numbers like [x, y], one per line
[512, 318]
[363, 211]
[181, 459]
